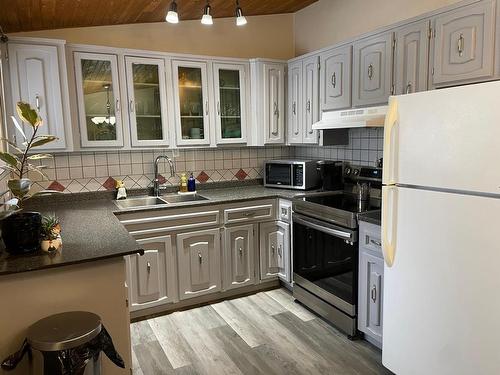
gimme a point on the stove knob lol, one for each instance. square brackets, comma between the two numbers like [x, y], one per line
[347, 171]
[356, 172]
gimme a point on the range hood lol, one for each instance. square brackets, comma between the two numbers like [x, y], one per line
[352, 118]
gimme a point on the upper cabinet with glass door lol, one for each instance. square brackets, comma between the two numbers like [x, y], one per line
[98, 100]
[146, 86]
[230, 96]
[191, 103]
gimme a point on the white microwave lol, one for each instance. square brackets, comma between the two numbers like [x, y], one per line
[291, 174]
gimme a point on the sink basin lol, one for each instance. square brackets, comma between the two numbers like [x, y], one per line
[140, 202]
[178, 198]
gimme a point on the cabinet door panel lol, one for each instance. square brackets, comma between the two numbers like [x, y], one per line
[274, 103]
[294, 102]
[239, 256]
[372, 70]
[411, 58]
[99, 104]
[191, 103]
[198, 255]
[274, 250]
[464, 44]
[34, 72]
[151, 277]
[310, 99]
[146, 86]
[335, 81]
[230, 96]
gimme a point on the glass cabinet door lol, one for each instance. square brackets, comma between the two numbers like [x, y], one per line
[98, 99]
[146, 88]
[191, 101]
[230, 96]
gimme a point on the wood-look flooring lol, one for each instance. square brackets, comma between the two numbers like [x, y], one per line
[266, 333]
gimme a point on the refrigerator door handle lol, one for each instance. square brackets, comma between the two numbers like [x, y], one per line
[390, 154]
[389, 220]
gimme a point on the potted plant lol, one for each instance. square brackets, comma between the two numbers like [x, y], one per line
[51, 233]
[21, 229]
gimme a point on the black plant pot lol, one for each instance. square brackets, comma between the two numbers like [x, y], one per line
[21, 232]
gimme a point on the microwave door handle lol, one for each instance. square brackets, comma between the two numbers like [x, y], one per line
[334, 232]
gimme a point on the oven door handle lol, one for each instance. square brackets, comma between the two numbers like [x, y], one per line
[311, 223]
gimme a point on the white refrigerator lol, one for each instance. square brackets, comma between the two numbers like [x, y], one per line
[441, 232]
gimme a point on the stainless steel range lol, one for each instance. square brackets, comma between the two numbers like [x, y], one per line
[325, 242]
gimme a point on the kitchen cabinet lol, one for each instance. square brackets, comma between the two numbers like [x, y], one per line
[294, 102]
[411, 58]
[268, 102]
[199, 262]
[152, 278]
[192, 107]
[371, 283]
[310, 74]
[239, 256]
[147, 101]
[230, 97]
[464, 44]
[274, 250]
[336, 78]
[372, 70]
[99, 103]
[35, 77]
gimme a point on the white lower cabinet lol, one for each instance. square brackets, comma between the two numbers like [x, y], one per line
[152, 278]
[199, 263]
[371, 283]
[275, 250]
[239, 265]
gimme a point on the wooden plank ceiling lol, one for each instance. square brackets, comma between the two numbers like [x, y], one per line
[27, 15]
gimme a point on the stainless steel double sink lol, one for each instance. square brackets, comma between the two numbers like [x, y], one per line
[164, 200]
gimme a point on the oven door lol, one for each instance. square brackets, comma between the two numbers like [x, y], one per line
[325, 261]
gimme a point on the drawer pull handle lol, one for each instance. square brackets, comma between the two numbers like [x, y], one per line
[200, 258]
[461, 45]
[148, 266]
[370, 71]
[373, 294]
[248, 214]
[334, 79]
[377, 243]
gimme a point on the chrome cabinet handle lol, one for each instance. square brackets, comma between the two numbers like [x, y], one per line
[408, 88]
[377, 243]
[248, 214]
[334, 79]
[240, 250]
[131, 106]
[308, 106]
[370, 71]
[461, 45]
[373, 294]
[37, 99]
[275, 106]
[117, 105]
[280, 251]
[294, 109]
[218, 108]
[200, 258]
[148, 267]
[273, 249]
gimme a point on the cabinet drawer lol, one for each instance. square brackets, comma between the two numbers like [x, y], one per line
[370, 237]
[173, 222]
[251, 213]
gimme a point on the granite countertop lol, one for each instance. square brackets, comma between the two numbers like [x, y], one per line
[373, 217]
[91, 231]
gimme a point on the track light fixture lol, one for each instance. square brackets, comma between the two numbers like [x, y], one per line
[240, 18]
[172, 16]
[207, 17]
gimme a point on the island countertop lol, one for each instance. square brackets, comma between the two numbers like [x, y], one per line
[91, 231]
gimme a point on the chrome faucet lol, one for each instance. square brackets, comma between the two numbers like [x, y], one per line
[156, 182]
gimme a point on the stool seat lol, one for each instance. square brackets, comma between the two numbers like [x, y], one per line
[64, 331]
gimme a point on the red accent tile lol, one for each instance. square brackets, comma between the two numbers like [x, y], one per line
[161, 179]
[241, 175]
[54, 185]
[203, 177]
[110, 184]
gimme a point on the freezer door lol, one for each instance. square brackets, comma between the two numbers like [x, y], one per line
[441, 294]
[445, 138]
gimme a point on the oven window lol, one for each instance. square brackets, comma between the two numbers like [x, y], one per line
[326, 261]
[279, 174]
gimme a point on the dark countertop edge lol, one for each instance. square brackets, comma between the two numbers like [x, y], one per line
[72, 263]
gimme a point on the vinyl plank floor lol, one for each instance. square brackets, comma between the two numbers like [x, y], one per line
[266, 333]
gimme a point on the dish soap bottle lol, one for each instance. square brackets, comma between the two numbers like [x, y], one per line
[183, 187]
[191, 183]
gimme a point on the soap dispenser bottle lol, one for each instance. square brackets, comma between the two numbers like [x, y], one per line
[191, 183]
[183, 187]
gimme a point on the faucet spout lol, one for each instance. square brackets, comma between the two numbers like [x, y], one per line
[156, 182]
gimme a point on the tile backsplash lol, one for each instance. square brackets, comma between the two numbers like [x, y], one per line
[96, 171]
